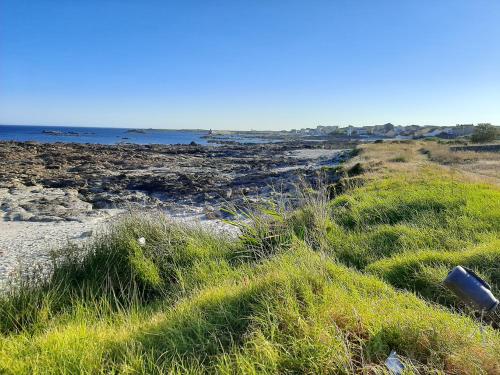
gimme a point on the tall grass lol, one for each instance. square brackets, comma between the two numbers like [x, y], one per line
[327, 287]
[296, 312]
[115, 271]
[423, 272]
[407, 213]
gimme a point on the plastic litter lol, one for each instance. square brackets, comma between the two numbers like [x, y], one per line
[141, 241]
[471, 289]
[393, 364]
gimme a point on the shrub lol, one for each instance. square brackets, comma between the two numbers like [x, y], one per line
[484, 133]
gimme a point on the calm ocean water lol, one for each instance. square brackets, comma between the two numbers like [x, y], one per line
[108, 136]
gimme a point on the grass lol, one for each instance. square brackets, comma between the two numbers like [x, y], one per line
[486, 164]
[297, 312]
[330, 287]
[402, 214]
[424, 271]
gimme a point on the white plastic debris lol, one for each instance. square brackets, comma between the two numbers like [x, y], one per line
[394, 364]
[142, 241]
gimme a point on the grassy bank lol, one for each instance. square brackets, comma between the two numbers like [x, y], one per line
[331, 287]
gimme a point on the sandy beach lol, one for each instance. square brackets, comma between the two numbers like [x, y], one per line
[24, 244]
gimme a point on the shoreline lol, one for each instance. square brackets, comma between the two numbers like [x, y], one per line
[54, 193]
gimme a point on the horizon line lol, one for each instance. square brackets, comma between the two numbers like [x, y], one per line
[235, 130]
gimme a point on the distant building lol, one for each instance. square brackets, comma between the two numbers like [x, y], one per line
[369, 129]
[433, 133]
[389, 130]
[391, 133]
[324, 130]
[399, 129]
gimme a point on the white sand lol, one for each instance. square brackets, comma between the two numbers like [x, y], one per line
[24, 243]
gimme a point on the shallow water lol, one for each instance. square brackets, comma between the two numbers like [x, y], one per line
[107, 136]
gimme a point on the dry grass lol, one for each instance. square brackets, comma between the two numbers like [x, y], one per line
[483, 164]
[441, 153]
[388, 158]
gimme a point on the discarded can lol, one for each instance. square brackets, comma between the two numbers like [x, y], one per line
[471, 288]
[393, 364]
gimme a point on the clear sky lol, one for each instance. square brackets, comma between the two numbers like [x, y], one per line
[255, 64]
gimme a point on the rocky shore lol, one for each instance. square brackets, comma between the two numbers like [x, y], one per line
[62, 181]
[64, 190]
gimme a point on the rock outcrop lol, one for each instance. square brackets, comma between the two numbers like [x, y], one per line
[43, 182]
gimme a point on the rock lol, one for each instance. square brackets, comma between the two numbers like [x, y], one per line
[69, 180]
[86, 234]
[19, 215]
[46, 218]
[30, 182]
[213, 215]
[42, 204]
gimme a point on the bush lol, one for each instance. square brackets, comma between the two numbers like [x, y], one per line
[484, 133]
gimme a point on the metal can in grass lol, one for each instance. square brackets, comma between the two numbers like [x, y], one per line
[471, 289]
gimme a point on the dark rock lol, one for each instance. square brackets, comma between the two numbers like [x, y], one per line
[109, 176]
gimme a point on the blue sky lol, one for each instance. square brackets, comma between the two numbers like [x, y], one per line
[249, 64]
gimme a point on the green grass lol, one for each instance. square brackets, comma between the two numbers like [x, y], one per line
[331, 287]
[408, 213]
[424, 271]
[297, 312]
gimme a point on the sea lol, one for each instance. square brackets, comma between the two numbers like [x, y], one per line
[108, 136]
